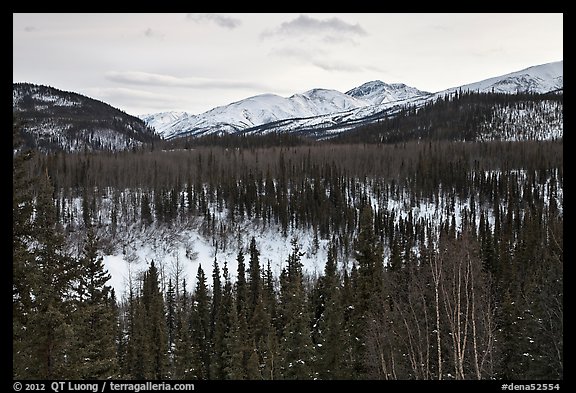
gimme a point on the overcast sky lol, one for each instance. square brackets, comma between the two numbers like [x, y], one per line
[147, 63]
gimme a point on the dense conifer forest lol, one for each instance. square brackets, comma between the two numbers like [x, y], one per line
[444, 259]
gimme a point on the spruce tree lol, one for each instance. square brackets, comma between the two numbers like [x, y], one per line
[255, 279]
[296, 347]
[200, 323]
[221, 362]
[22, 257]
[238, 339]
[183, 353]
[148, 345]
[171, 322]
[369, 283]
[155, 322]
[369, 254]
[138, 353]
[330, 349]
[218, 325]
[50, 327]
[95, 317]
[241, 286]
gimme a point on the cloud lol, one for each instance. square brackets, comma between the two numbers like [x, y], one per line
[318, 58]
[297, 52]
[338, 66]
[222, 21]
[121, 97]
[331, 30]
[153, 34]
[133, 94]
[29, 29]
[150, 79]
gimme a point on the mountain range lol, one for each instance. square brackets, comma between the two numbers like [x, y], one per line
[324, 112]
[53, 119]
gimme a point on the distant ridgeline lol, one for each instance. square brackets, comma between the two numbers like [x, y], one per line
[56, 120]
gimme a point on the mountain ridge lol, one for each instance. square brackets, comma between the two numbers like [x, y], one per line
[326, 108]
[52, 119]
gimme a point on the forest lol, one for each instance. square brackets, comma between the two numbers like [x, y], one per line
[444, 261]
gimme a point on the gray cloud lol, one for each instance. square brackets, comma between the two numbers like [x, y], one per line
[297, 52]
[29, 29]
[153, 33]
[150, 79]
[220, 20]
[331, 30]
[121, 97]
[317, 57]
[338, 66]
[133, 94]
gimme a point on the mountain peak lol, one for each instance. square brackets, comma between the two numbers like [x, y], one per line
[378, 92]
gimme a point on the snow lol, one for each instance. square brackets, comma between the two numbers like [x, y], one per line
[320, 109]
[188, 248]
[537, 79]
[183, 245]
[378, 92]
[544, 122]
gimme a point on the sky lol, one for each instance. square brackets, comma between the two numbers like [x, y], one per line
[150, 63]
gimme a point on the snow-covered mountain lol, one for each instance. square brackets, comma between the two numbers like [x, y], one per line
[323, 112]
[378, 92]
[265, 109]
[537, 79]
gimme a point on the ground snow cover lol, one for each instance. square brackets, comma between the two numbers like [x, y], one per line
[185, 251]
[179, 249]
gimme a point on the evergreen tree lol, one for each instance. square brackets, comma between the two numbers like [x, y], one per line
[241, 286]
[297, 352]
[369, 283]
[218, 323]
[200, 324]
[155, 322]
[255, 279]
[95, 317]
[171, 322]
[235, 369]
[22, 257]
[148, 346]
[145, 210]
[221, 361]
[330, 336]
[138, 352]
[183, 354]
[49, 332]
[238, 339]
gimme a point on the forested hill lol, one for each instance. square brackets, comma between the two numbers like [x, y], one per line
[54, 120]
[470, 116]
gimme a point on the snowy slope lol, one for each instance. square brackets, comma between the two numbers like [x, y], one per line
[164, 121]
[270, 108]
[251, 112]
[378, 92]
[537, 79]
[324, 112]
